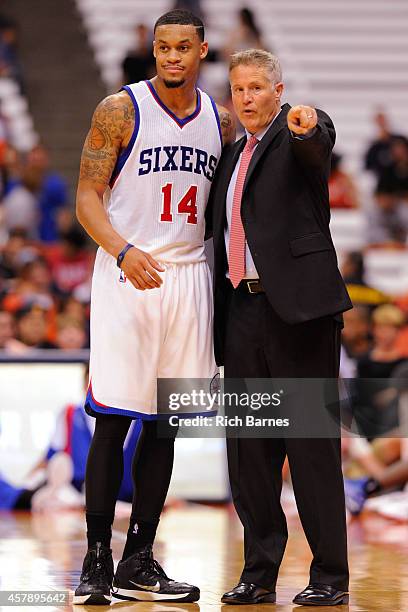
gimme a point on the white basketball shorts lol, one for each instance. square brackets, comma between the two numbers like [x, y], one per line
[139, 336]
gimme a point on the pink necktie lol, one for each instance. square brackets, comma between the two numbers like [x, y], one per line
[236, 249]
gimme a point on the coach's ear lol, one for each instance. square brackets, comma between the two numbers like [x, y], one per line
[204, 50]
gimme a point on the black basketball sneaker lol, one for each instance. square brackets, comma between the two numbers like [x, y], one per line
[96, 578]
[141, 578]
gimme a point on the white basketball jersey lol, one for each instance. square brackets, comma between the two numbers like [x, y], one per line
[160, 186]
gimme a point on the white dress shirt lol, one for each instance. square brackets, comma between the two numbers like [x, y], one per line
[250, 270]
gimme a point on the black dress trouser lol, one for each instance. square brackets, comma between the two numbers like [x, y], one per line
[260, 345]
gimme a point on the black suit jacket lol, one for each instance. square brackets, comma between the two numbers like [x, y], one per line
[285, 213]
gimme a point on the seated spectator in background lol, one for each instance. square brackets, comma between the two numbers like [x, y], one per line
[342, 189]
[73, 435]
[389, 477]
[71, 334]
[32, 328]
[352, 270]
[52, 194]
[70, 261]
[31, 286]
[356, 332]
[378, 364]
[11, 254]
[384, 356]
[378, 156]
[19, 209]
[139, 64]
[8, 341]
[394, 178]
[246, 36]
[387, 222]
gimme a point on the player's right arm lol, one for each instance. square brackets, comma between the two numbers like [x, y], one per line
[111, 129]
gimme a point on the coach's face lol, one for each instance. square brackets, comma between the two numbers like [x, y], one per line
[178, 51]
[255, 96]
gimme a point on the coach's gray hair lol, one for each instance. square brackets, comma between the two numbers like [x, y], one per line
[260, 58]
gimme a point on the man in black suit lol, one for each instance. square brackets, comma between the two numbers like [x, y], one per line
[278, 303]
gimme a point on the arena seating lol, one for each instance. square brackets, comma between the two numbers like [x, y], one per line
[318, 43]
[14, 109]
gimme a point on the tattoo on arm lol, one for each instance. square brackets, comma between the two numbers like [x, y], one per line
[112, 122]
[227, 126]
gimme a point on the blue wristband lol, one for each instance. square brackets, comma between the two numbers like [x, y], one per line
[122, 254]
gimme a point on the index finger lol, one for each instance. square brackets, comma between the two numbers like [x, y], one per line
[304, 119]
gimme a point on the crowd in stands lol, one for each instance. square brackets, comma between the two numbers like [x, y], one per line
[45, 259]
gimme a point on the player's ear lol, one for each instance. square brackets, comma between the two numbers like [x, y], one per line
[204, 50]
[154, 49]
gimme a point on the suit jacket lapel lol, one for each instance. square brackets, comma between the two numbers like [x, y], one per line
[277, 125]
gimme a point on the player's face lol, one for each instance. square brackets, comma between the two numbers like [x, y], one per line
[178, 52]
[255, 97]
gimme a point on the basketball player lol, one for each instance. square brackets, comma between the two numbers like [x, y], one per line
[146, 171]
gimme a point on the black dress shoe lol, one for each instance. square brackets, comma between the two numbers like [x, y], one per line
[248, 593]
[321, 595]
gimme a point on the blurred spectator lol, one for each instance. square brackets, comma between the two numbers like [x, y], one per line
[394, 178]
[70, 333]
[8, 341]
[356, 332]
[32, 327]
[352, 270]
[9, 256]
[246, 36]
[31, 286]
[384, 355]
[19, 209]
[70, 261]
[375, 411]
[52, 195]
[342, 189]
[387, 223]
[140, 64]
[378, 156]
[74, 308]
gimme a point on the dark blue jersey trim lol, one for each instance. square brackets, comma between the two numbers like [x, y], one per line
[180, 122]
[217, 116]
[123, 157]
[103, 409]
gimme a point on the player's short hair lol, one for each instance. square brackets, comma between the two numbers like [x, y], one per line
[181, 17]
[260, 58]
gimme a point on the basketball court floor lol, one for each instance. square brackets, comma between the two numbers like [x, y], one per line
[201, 545]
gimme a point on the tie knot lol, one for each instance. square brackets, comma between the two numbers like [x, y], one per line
[251, 143]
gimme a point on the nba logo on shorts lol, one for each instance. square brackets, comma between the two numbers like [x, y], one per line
[122, 277]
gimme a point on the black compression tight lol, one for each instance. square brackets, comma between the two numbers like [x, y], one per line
[151, 471]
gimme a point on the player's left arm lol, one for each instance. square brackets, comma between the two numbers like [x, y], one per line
[227, 125]
[313, 134]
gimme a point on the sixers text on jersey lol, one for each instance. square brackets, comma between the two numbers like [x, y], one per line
[177, 158]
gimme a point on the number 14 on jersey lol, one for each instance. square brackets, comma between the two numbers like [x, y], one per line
[187, 205]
